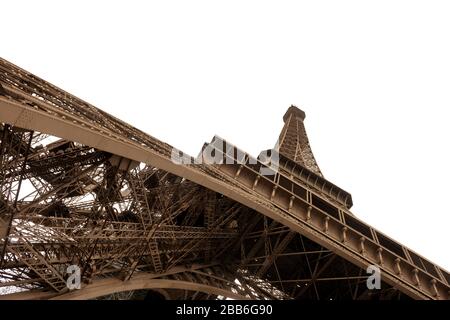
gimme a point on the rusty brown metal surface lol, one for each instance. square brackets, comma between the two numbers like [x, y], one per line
[80, 187]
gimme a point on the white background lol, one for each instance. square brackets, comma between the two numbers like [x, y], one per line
[372, 76]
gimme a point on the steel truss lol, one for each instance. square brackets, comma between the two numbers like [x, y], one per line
[80, 187]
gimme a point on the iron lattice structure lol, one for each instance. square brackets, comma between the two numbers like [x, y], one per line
[80, 187]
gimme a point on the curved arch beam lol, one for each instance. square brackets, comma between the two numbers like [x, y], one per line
[105, 287]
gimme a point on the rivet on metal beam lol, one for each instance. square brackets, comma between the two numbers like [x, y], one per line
[325, 224]
[398, 269]
[291, 202]
[380, 256]
[238, 172]
[416, 277]
[273, 192]
[255, 183]
[308, 214]
[344, 234]
[433, 286]
[362, 248]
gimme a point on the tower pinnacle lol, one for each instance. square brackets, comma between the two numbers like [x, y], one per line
[293, 140]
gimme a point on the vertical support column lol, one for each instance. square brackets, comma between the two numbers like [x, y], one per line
[255, 183]
[398, 269]
[308, 214]
[274, 190]
[210, 212]
[291, 202]
[344, 234]
[238, 172]
[416, 277]
[362, 248]
[308, 197]
[380, 256]
[434, 288]
[325, 224]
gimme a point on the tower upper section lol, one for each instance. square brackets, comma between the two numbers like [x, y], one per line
[293, 140]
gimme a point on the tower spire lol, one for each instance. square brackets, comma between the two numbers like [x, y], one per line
[293, 140]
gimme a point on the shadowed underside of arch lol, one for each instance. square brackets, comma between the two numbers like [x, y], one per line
[80, 187]
[104, 287]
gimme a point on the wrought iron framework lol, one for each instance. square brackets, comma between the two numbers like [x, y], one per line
[80, 187]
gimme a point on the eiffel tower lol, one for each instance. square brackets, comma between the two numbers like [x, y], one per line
[137, 219]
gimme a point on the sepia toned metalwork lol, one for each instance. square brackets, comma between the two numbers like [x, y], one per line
[80, 187]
